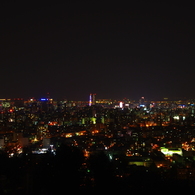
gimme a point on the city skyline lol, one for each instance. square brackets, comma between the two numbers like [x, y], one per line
[89, 99]
[83, 148]
[73, 49]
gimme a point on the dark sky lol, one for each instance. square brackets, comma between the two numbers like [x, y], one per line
[113, 50]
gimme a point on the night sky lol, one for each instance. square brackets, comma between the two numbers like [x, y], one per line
[114, 50]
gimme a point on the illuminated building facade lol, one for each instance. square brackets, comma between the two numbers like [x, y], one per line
[171, 151]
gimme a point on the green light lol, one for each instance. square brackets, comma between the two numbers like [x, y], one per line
[93, 119]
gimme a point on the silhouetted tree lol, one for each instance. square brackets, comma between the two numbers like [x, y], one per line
[68, 160]
[103, 171]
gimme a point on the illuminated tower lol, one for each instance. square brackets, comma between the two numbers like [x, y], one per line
[92, 99]
[142, 101]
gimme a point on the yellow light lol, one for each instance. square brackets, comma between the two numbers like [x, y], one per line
[35, 140]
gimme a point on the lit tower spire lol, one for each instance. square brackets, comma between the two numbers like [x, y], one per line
[92, 99]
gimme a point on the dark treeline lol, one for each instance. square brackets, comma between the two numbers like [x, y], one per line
[63, 173]
[41, 174]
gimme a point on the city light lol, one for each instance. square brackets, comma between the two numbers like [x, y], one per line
[97, 97]
[171, 151]
[90, 99]
[125, 132]
[44, 99]
[121, 104]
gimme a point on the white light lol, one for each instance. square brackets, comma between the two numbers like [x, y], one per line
[121, 104]
[176, 117]
[110, 156]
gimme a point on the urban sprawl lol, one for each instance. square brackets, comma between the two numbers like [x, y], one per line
[126, 144]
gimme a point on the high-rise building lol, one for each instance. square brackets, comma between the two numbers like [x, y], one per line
[142, 101]
[92, 99]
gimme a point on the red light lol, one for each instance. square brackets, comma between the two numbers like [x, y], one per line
[11, 110]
